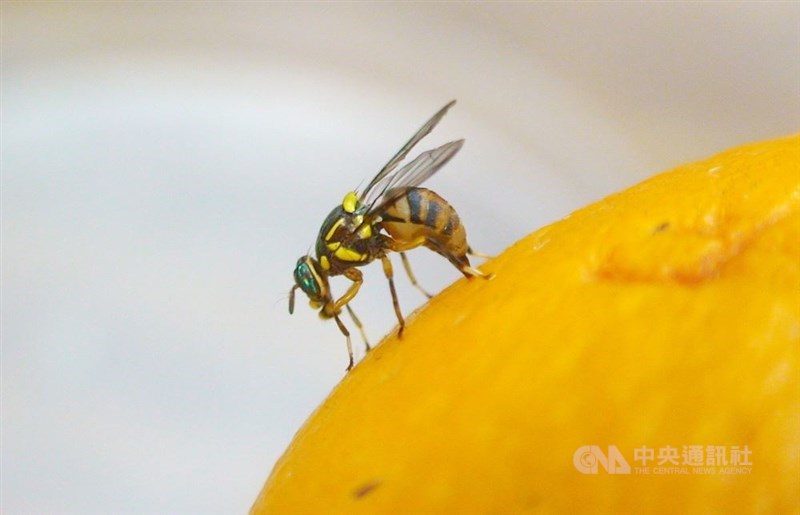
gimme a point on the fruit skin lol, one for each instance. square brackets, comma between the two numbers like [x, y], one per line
[667, 314]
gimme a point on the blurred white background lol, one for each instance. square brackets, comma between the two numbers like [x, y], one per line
[164, 165]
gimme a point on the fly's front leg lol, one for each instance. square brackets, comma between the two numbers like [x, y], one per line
[346, 334]
[334, 308]
[387, 270]
[358, 324]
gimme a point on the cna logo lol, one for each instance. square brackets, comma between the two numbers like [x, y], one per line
[589, 458]
[666, 460]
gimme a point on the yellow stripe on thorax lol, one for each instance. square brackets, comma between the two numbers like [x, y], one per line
[333, 228]
[339, 250]
[348, 254]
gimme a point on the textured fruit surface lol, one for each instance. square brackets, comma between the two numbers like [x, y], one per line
[665, 315]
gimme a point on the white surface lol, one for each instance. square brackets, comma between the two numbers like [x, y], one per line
[164, 164]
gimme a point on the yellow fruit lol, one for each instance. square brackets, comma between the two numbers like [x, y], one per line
[665, 315]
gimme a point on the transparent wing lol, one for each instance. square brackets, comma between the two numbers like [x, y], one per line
[368, 192]
[413, 174]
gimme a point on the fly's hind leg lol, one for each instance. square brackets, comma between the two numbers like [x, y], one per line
[478, 254]
[411, 276]
[461, 262]
[387, 270]
[468, 271]
[402, 246]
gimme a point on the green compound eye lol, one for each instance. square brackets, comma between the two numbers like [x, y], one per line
[304, 278]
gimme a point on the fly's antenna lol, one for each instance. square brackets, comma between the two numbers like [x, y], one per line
[291, 299]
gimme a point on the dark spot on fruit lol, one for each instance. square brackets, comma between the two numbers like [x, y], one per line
[661, 227]
[366, 488]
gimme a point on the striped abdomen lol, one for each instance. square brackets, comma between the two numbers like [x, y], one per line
[419, 212]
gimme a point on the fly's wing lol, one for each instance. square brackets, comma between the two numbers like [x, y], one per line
[377, 187]
[416, 172]
[413, 174]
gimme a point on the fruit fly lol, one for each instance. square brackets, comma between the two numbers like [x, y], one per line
[392, 214]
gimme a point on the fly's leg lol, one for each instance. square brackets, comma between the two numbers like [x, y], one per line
[468, 271]
[346, 334]
[334, 308]
[478, 254]
[358, 324]
[461, 262]
[387, 270]
[411, 277]
[402, 246]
